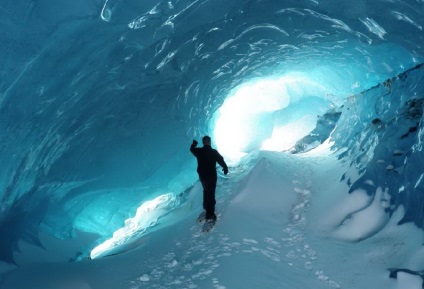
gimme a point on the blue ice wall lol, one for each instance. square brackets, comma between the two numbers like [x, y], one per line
[100, 99]
[380, 133]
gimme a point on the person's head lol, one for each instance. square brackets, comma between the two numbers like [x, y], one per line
[206, 140]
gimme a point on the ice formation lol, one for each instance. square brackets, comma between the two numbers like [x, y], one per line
[317, 106]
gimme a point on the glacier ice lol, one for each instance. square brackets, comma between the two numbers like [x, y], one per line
[100, 99]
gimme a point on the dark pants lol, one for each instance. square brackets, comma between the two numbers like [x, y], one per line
[209, 186]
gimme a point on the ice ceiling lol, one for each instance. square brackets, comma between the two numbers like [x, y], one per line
[99, 100]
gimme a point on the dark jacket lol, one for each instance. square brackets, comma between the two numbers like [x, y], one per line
[207, 157]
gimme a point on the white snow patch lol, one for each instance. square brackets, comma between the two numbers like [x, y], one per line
[408, 281]
[144, 278]
[365, 222]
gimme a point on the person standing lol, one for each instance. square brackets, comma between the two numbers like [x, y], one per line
[207, 157]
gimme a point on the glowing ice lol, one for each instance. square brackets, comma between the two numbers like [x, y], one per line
[147, 216]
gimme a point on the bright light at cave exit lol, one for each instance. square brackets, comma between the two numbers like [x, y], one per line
[250, 118]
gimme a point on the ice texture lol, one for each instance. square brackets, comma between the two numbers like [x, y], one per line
[100, 100]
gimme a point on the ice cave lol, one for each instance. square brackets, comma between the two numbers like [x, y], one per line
[316, 106]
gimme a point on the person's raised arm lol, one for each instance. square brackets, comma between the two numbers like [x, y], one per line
[193, 147]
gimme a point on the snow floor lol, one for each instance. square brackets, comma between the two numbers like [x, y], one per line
[288, 223]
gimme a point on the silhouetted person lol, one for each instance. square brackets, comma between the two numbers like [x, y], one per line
[207, 157]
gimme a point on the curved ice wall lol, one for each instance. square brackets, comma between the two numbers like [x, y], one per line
[100, 99]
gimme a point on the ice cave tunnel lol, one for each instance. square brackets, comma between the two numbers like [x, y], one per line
[316, 105]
